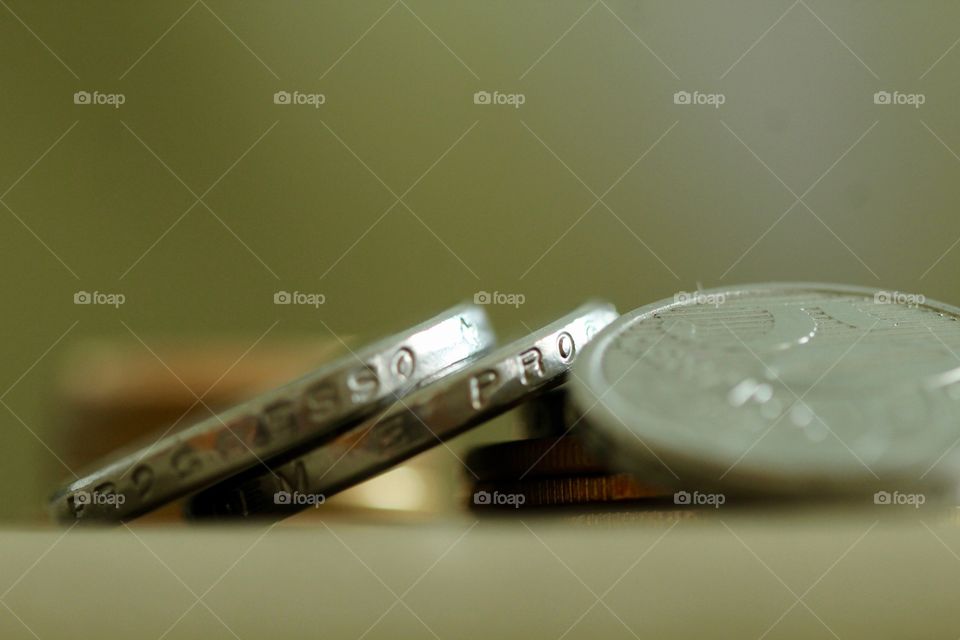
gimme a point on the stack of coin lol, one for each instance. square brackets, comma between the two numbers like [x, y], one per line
[280, 422]
[553, 466]
[765, 390]
[114, 392]
[754, 393]
[344, 423]
[453, 403]
[550, 470]
[808, 391]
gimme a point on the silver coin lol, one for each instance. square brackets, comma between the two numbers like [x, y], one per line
[458, 401]
[779, 388]
[314, 406]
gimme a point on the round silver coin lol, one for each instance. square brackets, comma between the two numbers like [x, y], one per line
[314, 406]
[457, 401]
[779, 388]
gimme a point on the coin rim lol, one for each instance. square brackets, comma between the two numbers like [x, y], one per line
[540, 457]
[701, 461]
[330, 369]
[255, 486]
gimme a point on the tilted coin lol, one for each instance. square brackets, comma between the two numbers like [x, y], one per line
[534, 457]
[432, 414]
[779, 388]
[311, 407]
[553, 492]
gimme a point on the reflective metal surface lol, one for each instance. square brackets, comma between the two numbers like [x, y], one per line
[441, 410]
[313, 406]
[775, 388]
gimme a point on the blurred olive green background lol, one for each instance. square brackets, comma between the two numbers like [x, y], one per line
[599, 185]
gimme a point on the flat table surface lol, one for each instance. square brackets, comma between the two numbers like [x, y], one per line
[823, 572]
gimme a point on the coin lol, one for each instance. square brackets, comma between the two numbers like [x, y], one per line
[451, 405]
[544, 492]
[534, 457]
[779, 388]
[313, 406]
